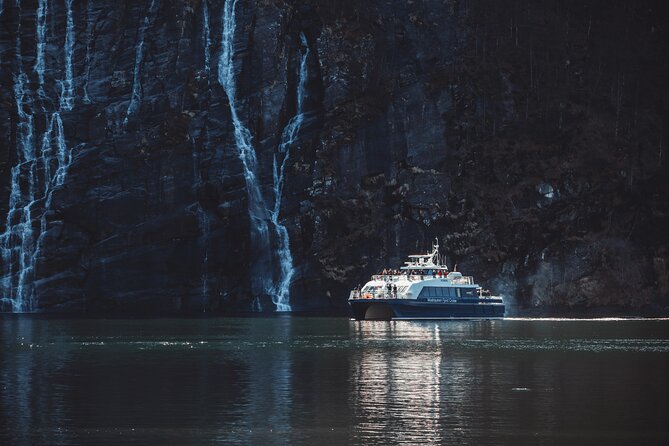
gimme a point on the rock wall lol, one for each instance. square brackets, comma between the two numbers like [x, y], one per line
[528, 137]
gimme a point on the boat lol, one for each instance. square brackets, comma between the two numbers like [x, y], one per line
[424, 289]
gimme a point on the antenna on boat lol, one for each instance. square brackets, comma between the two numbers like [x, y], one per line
[435, 251]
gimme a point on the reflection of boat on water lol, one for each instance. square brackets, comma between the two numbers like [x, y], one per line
[423, 289]
[397, 391]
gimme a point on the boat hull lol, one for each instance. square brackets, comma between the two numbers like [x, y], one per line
[399, 309]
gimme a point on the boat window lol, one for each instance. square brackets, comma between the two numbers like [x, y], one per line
[430, 291]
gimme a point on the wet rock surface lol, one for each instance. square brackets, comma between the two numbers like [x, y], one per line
[528, 138]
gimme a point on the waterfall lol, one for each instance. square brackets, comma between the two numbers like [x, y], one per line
[206, 36]
[63, 159]
[202, 221]
[30, 193]
[202, 215]
[17, 240]
[261, 216]
[244, 143]
[243, 137]
[290, 132]
[45, 153]
[302, 85]
[64, 155]
[89, 38]
[136, 96]
[67, 88]
[288, 138]
[40, 29]
[203, 226]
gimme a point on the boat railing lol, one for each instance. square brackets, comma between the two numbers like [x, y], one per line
[387, 277]
[373, 294]
[463, 280]
[409, 277]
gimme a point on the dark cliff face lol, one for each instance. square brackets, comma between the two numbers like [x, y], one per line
[529, 138]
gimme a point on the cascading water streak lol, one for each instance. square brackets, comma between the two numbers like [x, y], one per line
[89, 39]
[40, 37]
[302, 85]
[64, 155]
[288, 138]
[204, 227]
[31, 187]
[67, 85]
[46, 152]
[244, 143]
[136, 96]
[243, 137]
[18, 237]
[206, 36]
[262, 216]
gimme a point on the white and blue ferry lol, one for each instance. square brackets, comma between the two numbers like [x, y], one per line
[424, 289]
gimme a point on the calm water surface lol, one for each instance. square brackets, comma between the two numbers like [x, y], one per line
[333, 381]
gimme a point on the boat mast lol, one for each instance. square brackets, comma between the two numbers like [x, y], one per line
[435, 252]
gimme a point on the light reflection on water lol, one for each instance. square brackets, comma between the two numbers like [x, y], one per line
[396, 391]
[332, 381]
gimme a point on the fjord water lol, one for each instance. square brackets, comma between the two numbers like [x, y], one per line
[293, 380]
